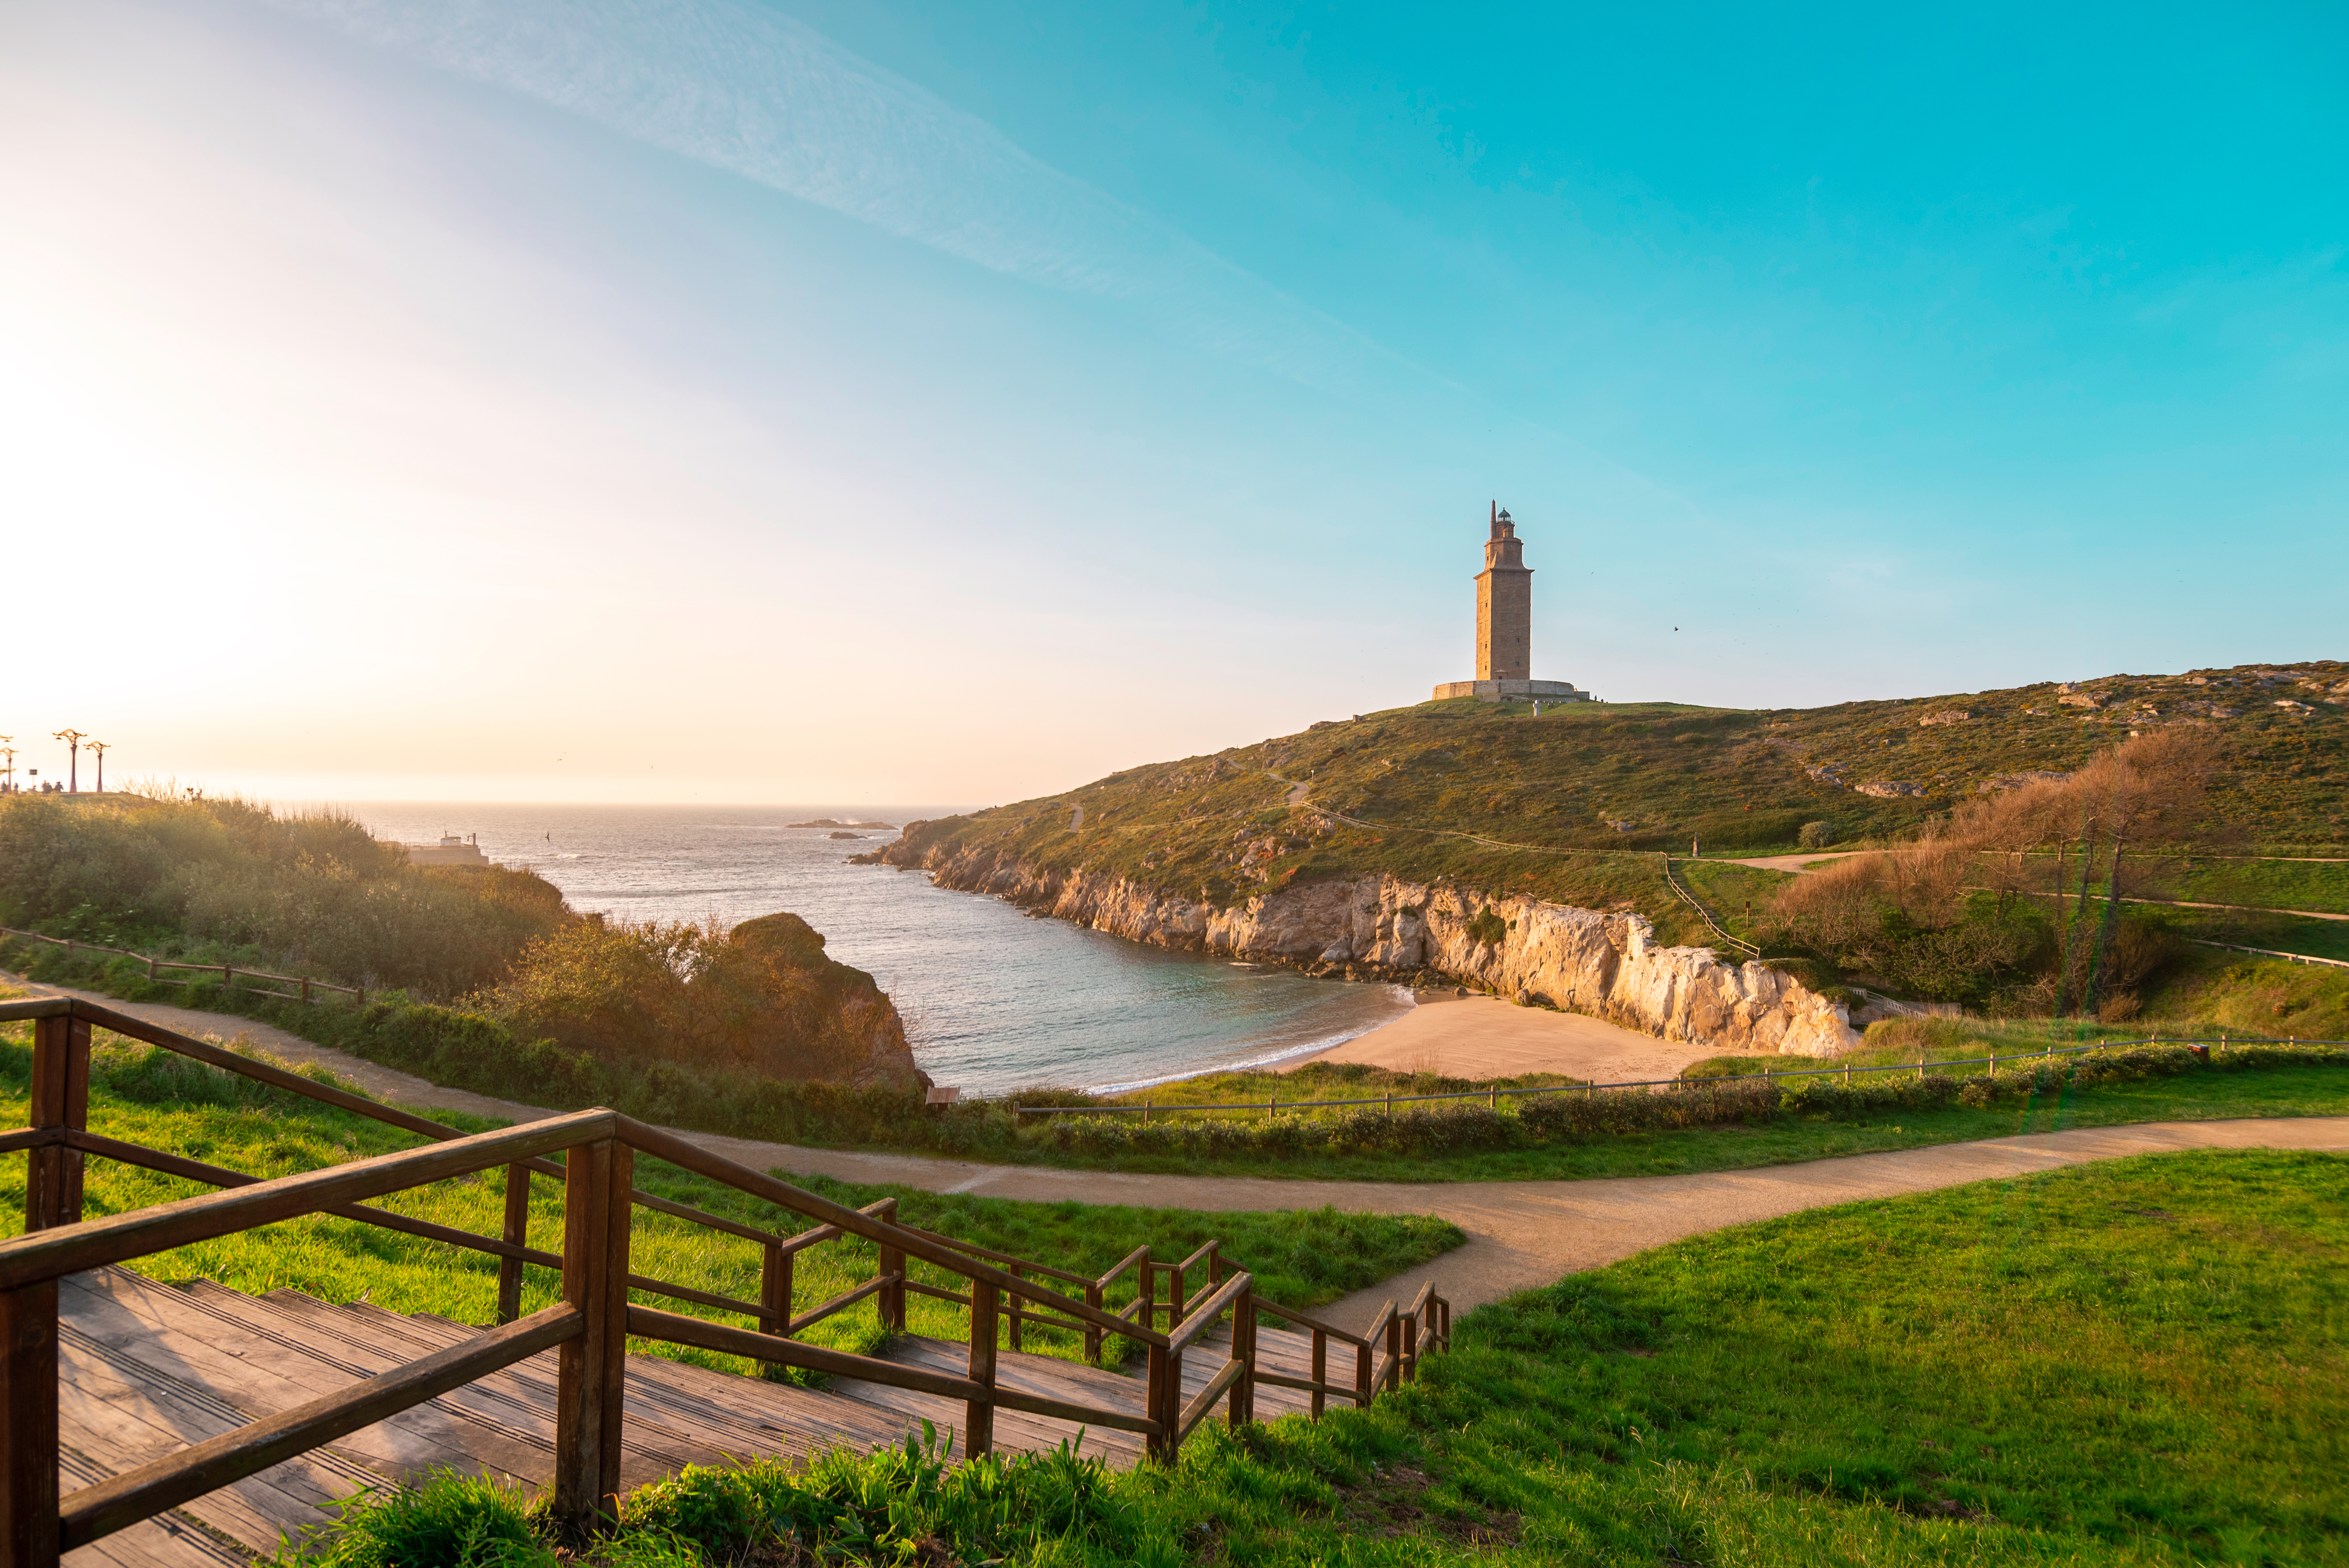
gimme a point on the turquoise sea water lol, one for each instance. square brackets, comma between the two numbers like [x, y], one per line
[994, 999]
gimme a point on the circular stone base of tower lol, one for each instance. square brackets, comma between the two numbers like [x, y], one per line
[1512, 691]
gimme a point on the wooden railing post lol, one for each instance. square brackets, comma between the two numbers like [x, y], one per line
[1176, 1298]
[891, 1298]
[1362, 1376]
[1165, 1406]
[1243, 1405]
[1395, 1349]
[1410, 1322]
[1320, 1367]
[28, 1425]
[516, 1233]
[1093, 1330]
[978, 1415]
[591, 1368]
[1011, 1332]
[775, 1288]
[775, 1295]
[60, 1097]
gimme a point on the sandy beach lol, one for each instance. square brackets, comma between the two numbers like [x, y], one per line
[1484, 1037]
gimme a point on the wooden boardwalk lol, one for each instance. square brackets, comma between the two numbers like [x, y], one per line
[147, 1369]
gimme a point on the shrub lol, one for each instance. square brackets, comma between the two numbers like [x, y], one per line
[310, 890]
[1917, 1035]
[1815, 835]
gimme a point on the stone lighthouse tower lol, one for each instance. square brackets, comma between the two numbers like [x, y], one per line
[1504, 606]
[1504, 627]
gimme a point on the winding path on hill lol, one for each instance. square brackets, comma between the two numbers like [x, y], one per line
[1521, 1234]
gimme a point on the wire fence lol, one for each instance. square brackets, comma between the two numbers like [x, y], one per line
[2271, 953]
[304, 986]
[1696, 904]
[1494, 1095]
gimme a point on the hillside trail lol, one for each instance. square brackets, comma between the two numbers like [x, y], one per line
[1521, 1234]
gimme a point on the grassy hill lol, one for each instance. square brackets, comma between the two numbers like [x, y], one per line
[1562, 805]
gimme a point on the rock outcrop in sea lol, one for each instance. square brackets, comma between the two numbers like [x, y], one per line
[1606, 964]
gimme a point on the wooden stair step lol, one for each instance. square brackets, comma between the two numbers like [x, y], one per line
[740, 1417]
[1014, 1429]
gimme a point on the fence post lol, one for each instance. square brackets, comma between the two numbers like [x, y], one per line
[1177, 1299]
[28, 1425]
[516, 1233]
[1164, 1365]
[1362, 1376]
[151, 966]
[892, 1300]
[305, 987]
[1409, 1323]
[1395, 1349]
[228, 978]
[1012, 1331]
[60, 1097]
[1093, 1330]
[1320, 1367]
[1243, 1406]
[978, 1415]
[592, 1367]
[775, 1295]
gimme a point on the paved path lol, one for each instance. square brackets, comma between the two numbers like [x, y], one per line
[1520, 1233]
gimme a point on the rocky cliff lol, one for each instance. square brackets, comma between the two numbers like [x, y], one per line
[1606, 964]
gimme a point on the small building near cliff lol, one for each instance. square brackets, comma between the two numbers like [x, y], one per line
[1504, 627]
[451, 851]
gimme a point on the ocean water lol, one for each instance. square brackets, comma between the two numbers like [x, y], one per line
[993, 999]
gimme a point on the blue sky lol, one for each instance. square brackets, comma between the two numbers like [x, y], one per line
[718, 400]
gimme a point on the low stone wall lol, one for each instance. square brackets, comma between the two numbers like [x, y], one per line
[1608, 965]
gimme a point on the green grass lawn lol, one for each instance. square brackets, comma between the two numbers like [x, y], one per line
[148, 1096]
[2133, 1362]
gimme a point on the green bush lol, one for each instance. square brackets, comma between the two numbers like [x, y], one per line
[1815, 835]
[227, 880]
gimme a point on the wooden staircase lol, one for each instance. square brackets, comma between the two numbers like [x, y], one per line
[141, 1422]
[146, 1369]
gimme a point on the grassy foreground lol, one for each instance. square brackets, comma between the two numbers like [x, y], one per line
[2139, 1362]
[149, 1097]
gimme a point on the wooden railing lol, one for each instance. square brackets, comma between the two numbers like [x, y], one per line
[589, 1325]
[305, 989]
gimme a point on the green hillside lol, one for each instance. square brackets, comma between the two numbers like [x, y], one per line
[1572, 805]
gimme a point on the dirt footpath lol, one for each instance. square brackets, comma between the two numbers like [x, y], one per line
[1521, 1234]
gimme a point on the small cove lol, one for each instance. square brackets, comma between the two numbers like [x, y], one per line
[994, 999]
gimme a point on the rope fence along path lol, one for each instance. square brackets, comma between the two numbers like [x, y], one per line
[229, 973]
[1492, 1096]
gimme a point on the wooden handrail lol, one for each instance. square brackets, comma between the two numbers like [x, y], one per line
[43, 1255]
[651, 1323]
[137, 1028]
[1195, 1324]
[1139, 1254]
[1205, 1400]
[666, 1145]
[124, 1500]
[975, 1250]
[1290, 1314]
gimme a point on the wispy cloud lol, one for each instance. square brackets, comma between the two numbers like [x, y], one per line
[738, 86]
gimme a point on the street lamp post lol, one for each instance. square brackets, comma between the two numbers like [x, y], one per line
[8, 773]
[72, 737]
[97, 749]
